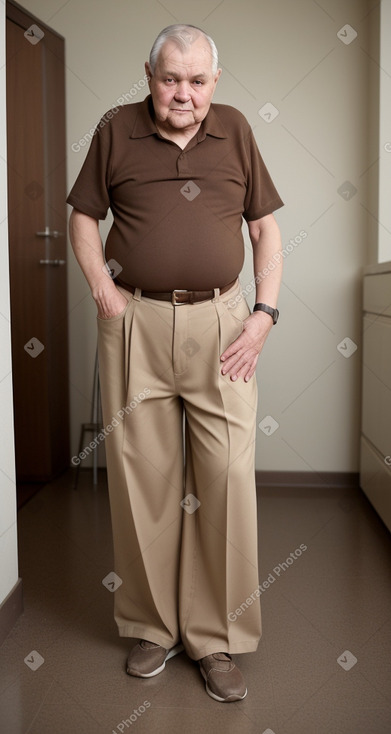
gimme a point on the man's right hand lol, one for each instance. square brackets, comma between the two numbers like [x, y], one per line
[110, 302]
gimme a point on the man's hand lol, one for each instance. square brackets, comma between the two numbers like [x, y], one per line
[110, 302]
[240, 358]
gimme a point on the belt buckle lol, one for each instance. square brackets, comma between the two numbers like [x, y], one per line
[173, 296]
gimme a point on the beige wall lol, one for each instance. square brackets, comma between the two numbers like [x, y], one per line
[384, 212]
[8, 530]
[287, 53]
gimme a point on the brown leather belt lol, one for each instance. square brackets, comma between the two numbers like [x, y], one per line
[177, 297]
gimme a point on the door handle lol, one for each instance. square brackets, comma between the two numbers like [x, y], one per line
[50, 233]
[52, 262]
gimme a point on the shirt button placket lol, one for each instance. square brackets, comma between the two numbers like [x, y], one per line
[182, 165]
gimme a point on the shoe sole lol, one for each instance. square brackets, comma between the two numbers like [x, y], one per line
[229, 699]
[171, 653]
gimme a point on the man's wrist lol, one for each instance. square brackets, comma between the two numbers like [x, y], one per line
[101, 286]
[273, 312]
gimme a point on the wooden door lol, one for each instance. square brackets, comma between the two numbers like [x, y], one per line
[37, 243]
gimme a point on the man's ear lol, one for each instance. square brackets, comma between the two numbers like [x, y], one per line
[218, 74]
[148, 72]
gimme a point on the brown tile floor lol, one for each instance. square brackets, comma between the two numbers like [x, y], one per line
[331, 602]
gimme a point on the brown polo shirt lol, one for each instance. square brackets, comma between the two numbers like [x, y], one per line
[177, 213]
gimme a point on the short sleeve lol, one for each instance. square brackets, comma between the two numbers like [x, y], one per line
[262, 197]
[90, 192]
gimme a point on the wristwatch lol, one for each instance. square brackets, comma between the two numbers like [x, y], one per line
[273, 312]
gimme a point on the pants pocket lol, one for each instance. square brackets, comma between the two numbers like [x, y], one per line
[122, 313]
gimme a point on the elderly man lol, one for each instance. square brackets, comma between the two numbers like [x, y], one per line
[178, 349]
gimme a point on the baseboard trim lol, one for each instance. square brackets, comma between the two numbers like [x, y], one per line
[10, 609]
[303, 479]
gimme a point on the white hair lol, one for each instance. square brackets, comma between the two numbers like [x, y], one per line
[183, 35]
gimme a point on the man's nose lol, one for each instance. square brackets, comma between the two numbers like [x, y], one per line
[182, 93]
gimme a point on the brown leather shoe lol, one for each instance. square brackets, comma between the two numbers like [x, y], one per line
[148, 659]
[224, 681]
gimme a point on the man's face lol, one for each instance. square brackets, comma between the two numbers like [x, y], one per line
[183, 84]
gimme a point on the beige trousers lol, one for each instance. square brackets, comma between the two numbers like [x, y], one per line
[180, 458]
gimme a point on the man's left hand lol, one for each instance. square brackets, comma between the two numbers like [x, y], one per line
[240, 358]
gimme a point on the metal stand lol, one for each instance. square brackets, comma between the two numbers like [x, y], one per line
[95, 426]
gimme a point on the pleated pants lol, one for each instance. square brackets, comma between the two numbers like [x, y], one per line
[180, 441]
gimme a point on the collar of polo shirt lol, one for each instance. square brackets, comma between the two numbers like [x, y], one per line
[145, 125]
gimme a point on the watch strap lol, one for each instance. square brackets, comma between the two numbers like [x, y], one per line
[273, 312]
